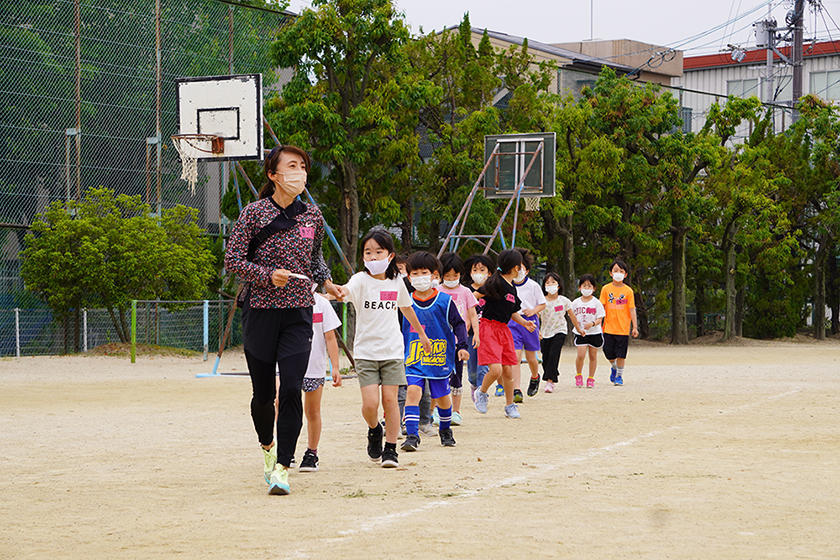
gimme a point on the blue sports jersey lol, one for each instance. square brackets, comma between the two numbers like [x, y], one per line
[435, 321]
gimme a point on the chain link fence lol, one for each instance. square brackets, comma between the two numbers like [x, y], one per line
[89, 100]
[37, 332]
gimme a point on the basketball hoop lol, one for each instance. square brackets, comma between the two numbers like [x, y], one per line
[532, 203]
[189, 146]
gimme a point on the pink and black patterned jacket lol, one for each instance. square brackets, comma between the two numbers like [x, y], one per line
[297, 249]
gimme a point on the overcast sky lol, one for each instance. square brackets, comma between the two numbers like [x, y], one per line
[663, 22]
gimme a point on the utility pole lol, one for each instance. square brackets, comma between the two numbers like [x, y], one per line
[796, 55]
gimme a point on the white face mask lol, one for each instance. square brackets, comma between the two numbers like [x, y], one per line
[421, 283]
[587, 291]
[479, 277]
[377, 267]
[523, 274]
[618, 276]
[435, 282]
[292, 181]
[551, 288]
[451, 284]
[403, 275]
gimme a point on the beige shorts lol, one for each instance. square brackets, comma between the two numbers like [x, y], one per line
[380, 372]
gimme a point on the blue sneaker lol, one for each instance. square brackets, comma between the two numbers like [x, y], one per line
[618, 381]
[500, 391]
[481, 400]
[612, 375]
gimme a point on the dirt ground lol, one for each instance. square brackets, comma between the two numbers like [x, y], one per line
[706, 452]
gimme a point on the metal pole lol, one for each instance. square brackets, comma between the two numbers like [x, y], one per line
[464, 213]
[205, 336]
[591, 19]
[798, 29]
[498, 228]
[17, 332]
[158, 177]
[78, 14]
[133, 330]
[84, 330]
[67, 163]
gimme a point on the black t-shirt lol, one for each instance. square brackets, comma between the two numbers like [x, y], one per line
[501, 309]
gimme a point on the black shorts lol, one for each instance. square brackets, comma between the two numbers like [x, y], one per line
[615, 346]
[593, 340]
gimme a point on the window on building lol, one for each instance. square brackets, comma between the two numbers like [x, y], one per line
[743, 88]
[826, 84]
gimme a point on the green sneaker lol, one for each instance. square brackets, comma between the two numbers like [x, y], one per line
[270, 458]
[279, 481]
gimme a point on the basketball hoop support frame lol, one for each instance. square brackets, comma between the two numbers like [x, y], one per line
[453, 239]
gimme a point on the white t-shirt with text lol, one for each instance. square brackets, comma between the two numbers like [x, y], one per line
[378, 335]
[587, 312]
[324, 320]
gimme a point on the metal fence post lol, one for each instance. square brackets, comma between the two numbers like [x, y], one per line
[133, 330]
[206, 330]
[84, 330]
[17, 332]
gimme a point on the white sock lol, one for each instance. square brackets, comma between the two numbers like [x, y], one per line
[619, 371]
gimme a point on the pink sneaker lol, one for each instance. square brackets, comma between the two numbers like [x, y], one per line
[549, 386]
[590, 382]
[578, 381]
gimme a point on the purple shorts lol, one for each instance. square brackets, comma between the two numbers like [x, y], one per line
[522, 339]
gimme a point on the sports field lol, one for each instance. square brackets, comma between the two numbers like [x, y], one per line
[706, 452]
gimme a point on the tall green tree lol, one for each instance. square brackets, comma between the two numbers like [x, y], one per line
[106, 250]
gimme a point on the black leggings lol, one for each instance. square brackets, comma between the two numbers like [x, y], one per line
[551, 348]
[289, 405]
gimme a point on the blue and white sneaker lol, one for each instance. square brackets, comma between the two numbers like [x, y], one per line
[481, 400]
[512, 411]
[500, 391]
[612, 375]
[456, 418]
[618, 381]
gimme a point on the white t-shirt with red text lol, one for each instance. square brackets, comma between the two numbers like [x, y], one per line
[553, 317]
[588, 312]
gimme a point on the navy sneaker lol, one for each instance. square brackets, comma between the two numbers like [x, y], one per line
[612, 375]
[500, 391]
[618, 381]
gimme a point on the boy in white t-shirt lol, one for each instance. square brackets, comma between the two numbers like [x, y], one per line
[590, 313]
[324, 323]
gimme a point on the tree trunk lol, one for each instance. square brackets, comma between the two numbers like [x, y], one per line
[77, 330]
[731, 264]
[125, 327]
[740, 305]
[568, 262]
[833, 289]
[348, 215]
[700, 310]
[117, 325]
[819, 290]
[407, 226]
[679, 327]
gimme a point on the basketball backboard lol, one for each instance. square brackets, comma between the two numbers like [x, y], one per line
[226, 106]
[514, 154]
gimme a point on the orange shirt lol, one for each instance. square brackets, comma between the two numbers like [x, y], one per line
[617, 301]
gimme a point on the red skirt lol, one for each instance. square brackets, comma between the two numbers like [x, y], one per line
[496, 344]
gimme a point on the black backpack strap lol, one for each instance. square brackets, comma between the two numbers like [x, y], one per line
[278, 224]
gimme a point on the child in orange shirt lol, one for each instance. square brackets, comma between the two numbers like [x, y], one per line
[620, 305]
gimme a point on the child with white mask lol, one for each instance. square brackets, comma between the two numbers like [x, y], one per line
[589, 313]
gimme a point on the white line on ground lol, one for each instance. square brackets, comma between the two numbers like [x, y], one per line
[387, 519]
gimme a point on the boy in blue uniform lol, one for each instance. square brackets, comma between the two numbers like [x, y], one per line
[447, 332]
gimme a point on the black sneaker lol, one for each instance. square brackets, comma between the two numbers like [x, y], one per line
[534, 386]
[517, 396]
[446, 438]
[389, 458]
[411, 443]
[374, 447]
[309, 463]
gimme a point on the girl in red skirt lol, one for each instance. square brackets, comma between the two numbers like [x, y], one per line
[496, 349]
